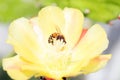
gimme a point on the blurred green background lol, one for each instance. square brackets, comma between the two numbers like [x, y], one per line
[96, 10]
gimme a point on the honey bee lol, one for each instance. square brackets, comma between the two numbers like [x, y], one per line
[57, 36]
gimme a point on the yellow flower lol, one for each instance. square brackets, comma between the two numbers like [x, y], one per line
[50, 45]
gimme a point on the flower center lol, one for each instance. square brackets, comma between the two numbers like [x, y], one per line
[57, 40]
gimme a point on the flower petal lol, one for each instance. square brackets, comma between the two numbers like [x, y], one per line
[13, 67]
[91, 45]
[88, 48]
[96, 63]
[73, 25]
[51, 18]
[24, 39]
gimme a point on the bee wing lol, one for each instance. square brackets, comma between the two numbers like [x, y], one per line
[58, 30]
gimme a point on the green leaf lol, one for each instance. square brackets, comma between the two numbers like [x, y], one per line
[3, 75]
[12, 9]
